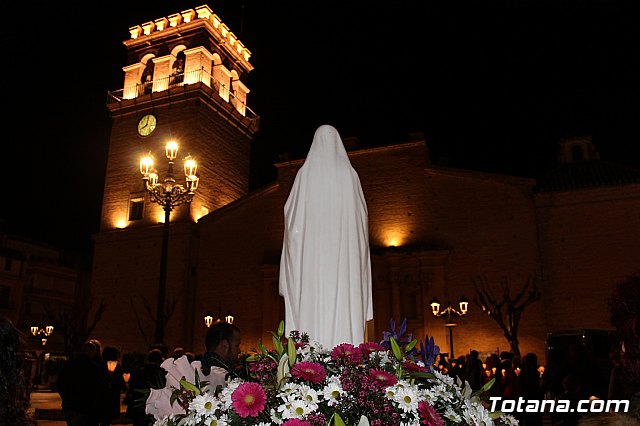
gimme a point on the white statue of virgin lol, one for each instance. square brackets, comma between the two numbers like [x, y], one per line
[325, 268]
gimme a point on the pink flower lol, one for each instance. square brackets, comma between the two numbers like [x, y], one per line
[311, 371]
[296, 422]
[346, 352]
[414, 368]
[248, 399]
[370, 347]
[382, 378]
[428, 415]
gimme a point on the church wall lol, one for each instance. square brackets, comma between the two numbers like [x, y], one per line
[485, 222]
[589, 242]
[235, 244]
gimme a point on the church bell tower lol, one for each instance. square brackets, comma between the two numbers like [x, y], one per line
[184, 81]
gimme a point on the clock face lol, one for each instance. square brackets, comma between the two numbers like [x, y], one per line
[146, 125]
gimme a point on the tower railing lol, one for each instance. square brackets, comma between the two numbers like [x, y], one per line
[200, 76]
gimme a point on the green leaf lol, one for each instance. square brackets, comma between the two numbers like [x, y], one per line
[262, 347]
[337, 420]
[411, 345]
[277, 344]
[487, 386]
[281, 329]
[189, 386]
[291, 351]
[397, 352]
[495, 414]
[421, 375]
[197, 379]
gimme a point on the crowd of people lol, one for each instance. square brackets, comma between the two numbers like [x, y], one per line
[92, 383]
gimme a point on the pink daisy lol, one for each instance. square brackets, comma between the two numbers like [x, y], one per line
[296, 422]
[248, 399]
[346, 351]
[382, 378]
[428, 415]
[370, 347]
[311, 371]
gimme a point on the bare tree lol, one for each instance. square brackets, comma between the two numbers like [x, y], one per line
[170, 309]
[507, 311]
[74, 324]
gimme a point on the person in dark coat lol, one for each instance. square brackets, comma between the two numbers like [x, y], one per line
[530, 387]
[473, 371]
[81, 388]
[140, 381]
[114, 385]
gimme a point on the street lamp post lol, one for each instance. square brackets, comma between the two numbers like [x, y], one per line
[44, 331]
[449, 313]
[169, 195]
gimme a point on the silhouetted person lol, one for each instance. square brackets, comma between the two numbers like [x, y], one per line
[529, 383]
[151, 375]
[508, 386]
[553, 374]
[473, 371]
[14, 398]
[114, 385]
[81, 388]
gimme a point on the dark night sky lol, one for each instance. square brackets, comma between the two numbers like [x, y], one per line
[492, 84]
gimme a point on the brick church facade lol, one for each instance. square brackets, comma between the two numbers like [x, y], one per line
[432, 229]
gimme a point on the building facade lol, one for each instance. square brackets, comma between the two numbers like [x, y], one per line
[433, 230]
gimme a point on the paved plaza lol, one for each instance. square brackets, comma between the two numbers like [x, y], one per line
[47, 407]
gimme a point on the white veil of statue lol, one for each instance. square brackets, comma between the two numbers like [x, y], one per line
[325, 268]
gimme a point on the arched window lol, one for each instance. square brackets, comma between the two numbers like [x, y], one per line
[146, 78]
[177, 69]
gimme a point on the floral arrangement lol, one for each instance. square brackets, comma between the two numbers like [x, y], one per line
[299, 383]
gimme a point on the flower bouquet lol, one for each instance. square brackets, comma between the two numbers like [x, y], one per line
[299, 383]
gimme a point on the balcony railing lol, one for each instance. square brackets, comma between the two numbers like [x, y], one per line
[220, 90]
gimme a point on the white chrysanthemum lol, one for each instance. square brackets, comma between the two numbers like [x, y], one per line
[225, 394]
[451, 414]
[509, 420]
[223, 420]
[441, 392]
[311, 352]
[294, 408]
[310, 395]
[382, 358]
[204, 405]
[406, 398]
[444, 378]
[275, 417]
[476, 414]
[164, 421]
[333, 391]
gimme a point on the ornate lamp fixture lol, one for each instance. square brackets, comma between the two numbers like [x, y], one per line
[208, 319]
[46, 332]
[169, 195]
[449, 313]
